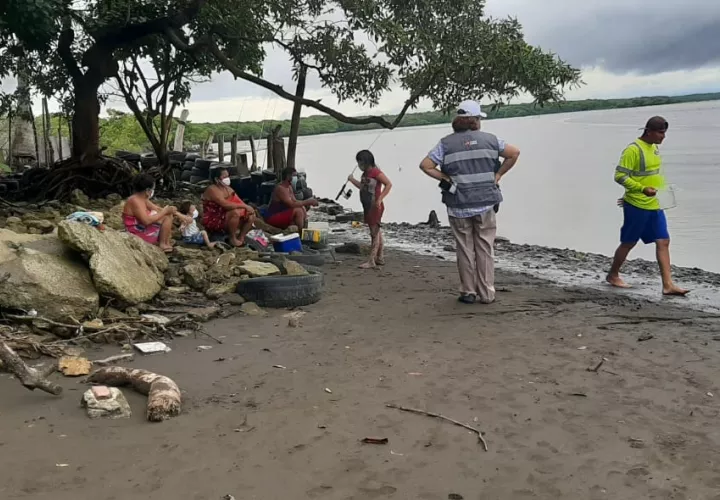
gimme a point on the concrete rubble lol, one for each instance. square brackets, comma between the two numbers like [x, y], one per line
[106, 402]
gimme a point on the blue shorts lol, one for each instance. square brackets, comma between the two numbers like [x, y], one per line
[646, 225]
[195, 239]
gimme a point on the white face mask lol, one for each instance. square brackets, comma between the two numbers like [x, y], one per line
[151, 194]
[226, 181]
[195, 214]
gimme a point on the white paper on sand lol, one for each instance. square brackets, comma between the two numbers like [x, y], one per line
[151, 347]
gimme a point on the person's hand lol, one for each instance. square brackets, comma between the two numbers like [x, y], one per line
[378, 203]
[497, 178]
[313, 202]
[648, 191]
[351, 178]
[169, 210]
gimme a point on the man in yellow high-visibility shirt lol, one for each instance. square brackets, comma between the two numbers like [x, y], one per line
[639, 173]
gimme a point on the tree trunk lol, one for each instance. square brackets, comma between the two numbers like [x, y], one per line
[86, 123]
[295, 121]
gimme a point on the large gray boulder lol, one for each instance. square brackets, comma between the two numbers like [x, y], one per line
[122, 265]
[42, 274]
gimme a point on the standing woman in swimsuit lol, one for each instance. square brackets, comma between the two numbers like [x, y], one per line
[374, 186]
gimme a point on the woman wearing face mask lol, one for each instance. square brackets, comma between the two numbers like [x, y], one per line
[374, 186]
[285, 210]
[146, 220]
[224, 211]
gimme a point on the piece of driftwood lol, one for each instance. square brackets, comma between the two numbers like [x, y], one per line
[164, 399]
[481, 439]
[113, 359]
[29, 377]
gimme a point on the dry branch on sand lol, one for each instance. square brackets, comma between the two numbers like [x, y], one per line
[164, 399]
[29, 377]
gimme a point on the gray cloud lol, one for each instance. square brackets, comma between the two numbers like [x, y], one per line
[619, 36]
[628, 36]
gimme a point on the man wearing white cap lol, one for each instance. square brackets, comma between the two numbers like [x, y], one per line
[465, 164]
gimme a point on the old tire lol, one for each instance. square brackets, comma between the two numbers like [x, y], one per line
[195, 179]
[185, 176]
[305, 260]
[283, 291]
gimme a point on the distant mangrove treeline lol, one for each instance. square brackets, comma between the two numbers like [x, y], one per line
[120, 130]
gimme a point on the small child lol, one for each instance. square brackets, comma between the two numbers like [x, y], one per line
[189, 228]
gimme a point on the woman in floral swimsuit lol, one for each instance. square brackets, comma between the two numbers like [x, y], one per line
[224, 211]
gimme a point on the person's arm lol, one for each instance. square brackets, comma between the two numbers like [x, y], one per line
[352, 180]
[629, 163]
[432, 161]
[387, 186]
[217, 196]
[139, 210]
[283, 195]
[510, 154]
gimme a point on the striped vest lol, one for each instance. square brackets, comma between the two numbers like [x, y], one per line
[470, 161]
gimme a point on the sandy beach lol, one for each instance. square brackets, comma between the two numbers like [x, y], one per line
[644, 425]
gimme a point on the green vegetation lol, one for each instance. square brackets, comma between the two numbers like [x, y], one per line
[121, 130]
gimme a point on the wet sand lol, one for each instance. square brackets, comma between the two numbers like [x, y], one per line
[643, 426]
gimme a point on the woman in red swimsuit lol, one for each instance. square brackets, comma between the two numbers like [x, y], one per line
[224, 211]
[374, 186]
[285, 210]
[146, 220]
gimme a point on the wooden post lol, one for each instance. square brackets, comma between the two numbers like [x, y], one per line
[221, 148]
[60, 149]
[233, 149]
[49, 152]
[269, 156]
[253, 154]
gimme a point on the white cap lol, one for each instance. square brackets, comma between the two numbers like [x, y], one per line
[471, 108]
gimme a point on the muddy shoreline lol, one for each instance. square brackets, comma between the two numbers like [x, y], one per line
[563, 266]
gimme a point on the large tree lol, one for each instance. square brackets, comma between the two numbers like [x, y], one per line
[73, 48]
[437, 50]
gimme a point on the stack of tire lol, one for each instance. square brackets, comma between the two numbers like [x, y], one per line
[196, 170]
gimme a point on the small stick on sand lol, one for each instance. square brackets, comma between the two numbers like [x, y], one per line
[113, 359]
[597, 367]
[442, 417]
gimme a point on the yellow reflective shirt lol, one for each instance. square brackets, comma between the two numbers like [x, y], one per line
[638, 168]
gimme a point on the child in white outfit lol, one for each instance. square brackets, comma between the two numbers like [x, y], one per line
[192, 235]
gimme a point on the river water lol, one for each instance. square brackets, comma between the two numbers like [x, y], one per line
[561, 193]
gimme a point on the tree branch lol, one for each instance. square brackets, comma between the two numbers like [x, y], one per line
[280, 91]
[67, 36]
[120, 36]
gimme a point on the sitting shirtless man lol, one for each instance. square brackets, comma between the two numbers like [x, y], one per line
[285, 210]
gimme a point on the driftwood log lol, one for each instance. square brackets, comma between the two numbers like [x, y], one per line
[164, 399]
[29, 377]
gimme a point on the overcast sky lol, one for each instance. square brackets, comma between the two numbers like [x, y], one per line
[625, 48]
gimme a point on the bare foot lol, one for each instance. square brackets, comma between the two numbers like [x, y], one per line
[380, 262]
[367, 265]
[212, 244]
[675, 291]
[236, 242]
[617, 282]
[166, 248]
